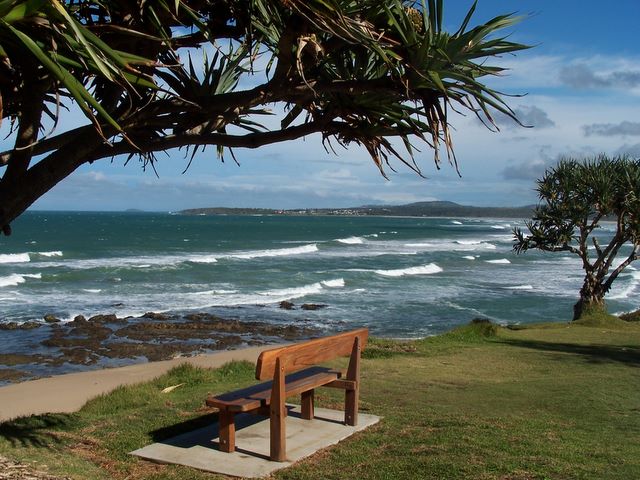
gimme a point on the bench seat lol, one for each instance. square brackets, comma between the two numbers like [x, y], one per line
[256, 396]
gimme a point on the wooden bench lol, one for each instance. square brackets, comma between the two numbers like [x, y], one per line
[294, 370]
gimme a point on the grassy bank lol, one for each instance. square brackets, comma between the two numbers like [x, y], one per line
[554, 401]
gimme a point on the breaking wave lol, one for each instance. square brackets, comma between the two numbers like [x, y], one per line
[56, 253]
[16, 279]
[429, 269]
[351, 240]
[278, 252]
[520, 287]
[15, 258]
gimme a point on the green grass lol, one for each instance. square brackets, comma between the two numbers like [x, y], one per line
[480, 402]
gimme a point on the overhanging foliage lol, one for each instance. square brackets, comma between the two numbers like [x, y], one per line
[358, 72]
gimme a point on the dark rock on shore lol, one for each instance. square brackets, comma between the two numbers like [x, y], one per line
[20, 326]
[202, 317]
[12, 375]
[631, 316]
[50, 318]
[11, 359]
[313, 306]
[111, 318]
[286, 305]
[157, 316]
[155, 336]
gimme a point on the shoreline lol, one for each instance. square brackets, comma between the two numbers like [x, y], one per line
[67, 393]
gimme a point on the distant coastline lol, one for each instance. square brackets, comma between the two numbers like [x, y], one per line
[418, 209]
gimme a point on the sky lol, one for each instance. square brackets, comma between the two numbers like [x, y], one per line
[578, 88]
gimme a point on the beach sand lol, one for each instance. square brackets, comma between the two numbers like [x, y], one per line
[68, 393]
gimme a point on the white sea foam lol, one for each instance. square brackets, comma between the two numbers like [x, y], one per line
[171, 261]
[421, 270]
[278, 252]
[91, 290]
[501, 238]
[455, 306]
[469, 257]
[203, 259]
[456, 222]
[289, 293]
[350, 240]
[499, 227]
[15, 258]
[499, 261]
[17, 278]
[215, 292]
[520, 287]
[11, 280]
[453, 245]
[226, 298]
[56, 253]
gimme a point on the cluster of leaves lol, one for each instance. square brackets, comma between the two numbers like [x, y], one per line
[575, 196]
[156, 75]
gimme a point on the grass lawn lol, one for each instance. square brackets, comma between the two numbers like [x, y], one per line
[554, 401]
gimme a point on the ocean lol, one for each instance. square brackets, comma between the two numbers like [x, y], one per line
[401, 277]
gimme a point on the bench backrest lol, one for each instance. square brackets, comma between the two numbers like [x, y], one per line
[301, 355]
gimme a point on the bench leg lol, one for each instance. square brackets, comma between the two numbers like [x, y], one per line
[227, 431]
[351, 406]
[277, 417]
[307, 405]
[352, 396]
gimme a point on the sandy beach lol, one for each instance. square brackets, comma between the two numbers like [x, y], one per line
[68, 393]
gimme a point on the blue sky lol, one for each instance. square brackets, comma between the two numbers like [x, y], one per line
[582, 86]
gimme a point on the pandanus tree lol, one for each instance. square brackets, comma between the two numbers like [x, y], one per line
[155, 75]
[575, 197]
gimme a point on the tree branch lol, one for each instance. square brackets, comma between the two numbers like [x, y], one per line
[631, 258]
[16, 197]
[52, 143]
[19, 158]
[252, 140]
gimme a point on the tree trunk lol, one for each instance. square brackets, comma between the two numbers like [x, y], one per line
[588, 306]
[591, 298]
[591, 301]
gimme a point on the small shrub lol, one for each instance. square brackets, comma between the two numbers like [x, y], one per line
[477, 329]
[631, 316]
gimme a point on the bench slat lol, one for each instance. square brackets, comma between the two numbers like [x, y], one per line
[302, 355]
[255, 396]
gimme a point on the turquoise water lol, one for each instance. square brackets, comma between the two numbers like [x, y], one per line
[402, 277]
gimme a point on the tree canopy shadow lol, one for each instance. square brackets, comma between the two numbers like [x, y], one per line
[36, 431]
[593, 353]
